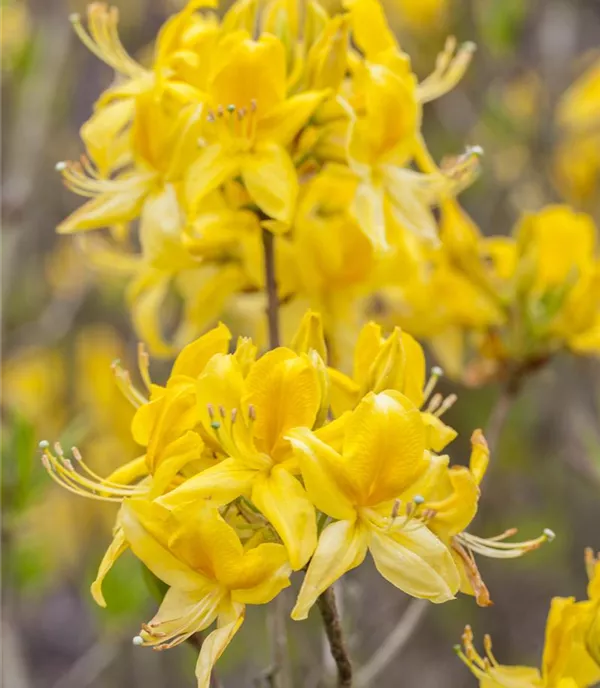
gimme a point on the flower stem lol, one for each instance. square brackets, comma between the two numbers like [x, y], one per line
[333, 630]
[271, 290]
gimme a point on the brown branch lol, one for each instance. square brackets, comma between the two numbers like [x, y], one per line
[333, 630]
[271, 289]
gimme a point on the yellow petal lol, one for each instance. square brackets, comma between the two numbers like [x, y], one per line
[367, 347]
[130, 472]
[263, 572]
[194, 357]
[271, 180]
[282, 499]
[146, 528]
[230, 619]
[248, 71]
[370, 29]
[221, 384]
[283, 122]
[221, 484]
[210, 169]
[114, 551]
[284, 390]
[384, 444]
[454, 513]
[177, 454]
[200, 537]
[309, 335]
[438, 434]
[415, 561]
[107, 209]
[341, 547]
[145, 417]
[414, 372]
[146, 299]
[368, 210]
[344, 392]
[325, 475]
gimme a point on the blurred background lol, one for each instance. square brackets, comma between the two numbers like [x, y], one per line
[63, 326]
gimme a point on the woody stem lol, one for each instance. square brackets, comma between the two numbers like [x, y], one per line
[271, 289]
[333, 629]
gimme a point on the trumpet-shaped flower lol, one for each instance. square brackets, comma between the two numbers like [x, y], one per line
[449, 497]
[382, 453]
[211, 576]
[571, 657]
[248, 124]
[247, 408]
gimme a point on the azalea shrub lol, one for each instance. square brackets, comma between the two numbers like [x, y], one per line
[261, 183]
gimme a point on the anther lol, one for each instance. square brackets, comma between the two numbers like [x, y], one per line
[68, 465]
[448, 402]
[76, 453]
[138, 640]
[60, 166]
[46, 462]
[58, 449]
[475, 150]
[220, 111]
[435, 403]
[550, 534]
[252, 412]
[75, 18]
[44, 444]
[233, 415]
[211, 411]
[222, 412]
[395, 508]
[253, 105]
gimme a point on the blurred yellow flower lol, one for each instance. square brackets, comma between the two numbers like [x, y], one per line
[571, 657]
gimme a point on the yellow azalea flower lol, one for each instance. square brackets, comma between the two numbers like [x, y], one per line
[247, 409]
[211, 576]
[382, 452]
[384, 131]
[396, 362]
[166, 424]
[448, 499]
[249, 122]
[571, 657]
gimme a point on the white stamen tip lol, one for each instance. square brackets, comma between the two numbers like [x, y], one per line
[418, 499]
[475, 150]
[60, 166]
[550, 534]
[138, 640]
[74, 17]
[437, 371]
[44, 444]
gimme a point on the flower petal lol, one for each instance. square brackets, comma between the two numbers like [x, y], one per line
[194, 357]
[415, 561]
[146, 528]
[324, 474]
[114, 551]
[264, 571]
[210, 169]
[214, 645]
[220, 484]
[282, 499]
[384, 444]
[341, 547]
[270, 177]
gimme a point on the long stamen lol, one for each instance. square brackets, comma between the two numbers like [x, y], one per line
[62, 471]
[498, 549]
[450, 67]
[144, 365]
[128, 389]
[102, 39]
[436, 374]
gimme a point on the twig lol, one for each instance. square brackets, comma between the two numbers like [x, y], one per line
[393, 644]
[333, 630]
[271, 289]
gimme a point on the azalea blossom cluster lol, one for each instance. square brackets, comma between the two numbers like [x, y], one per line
[276, 118]
[571, 657]
[257, 466]
[498, 307]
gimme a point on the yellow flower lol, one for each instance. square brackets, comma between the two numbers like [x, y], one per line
[571, 657]
[166, 424]
[449, 497]
[247, 408]
[211, 575]
[381, 452]
[248, 124]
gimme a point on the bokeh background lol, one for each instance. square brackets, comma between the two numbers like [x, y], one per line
[63, 325]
